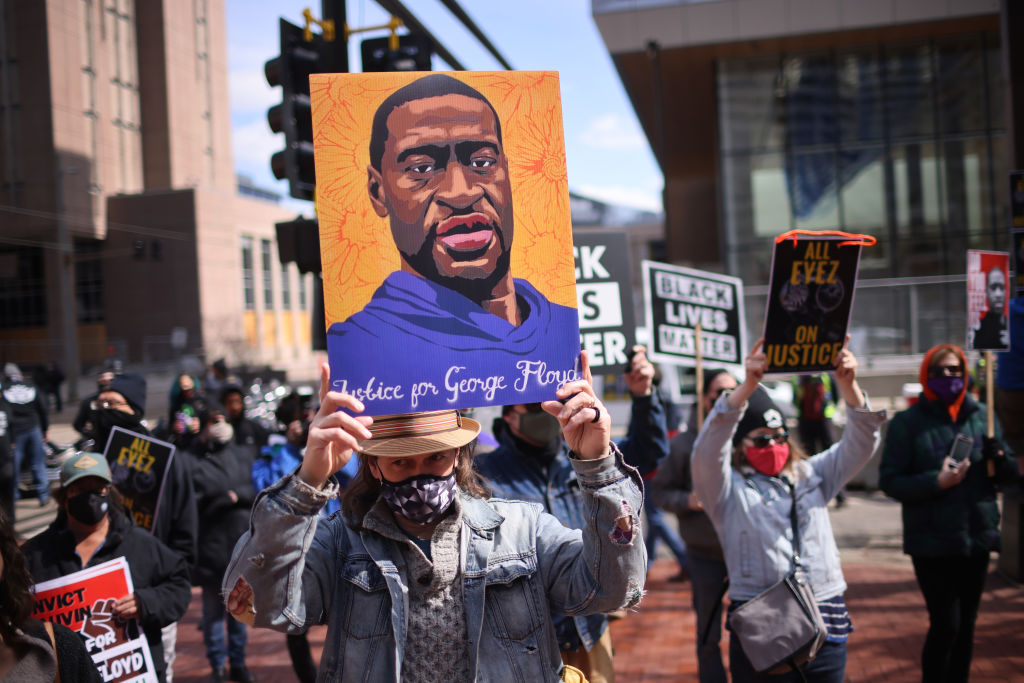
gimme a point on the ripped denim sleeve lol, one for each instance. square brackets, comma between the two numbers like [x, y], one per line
[626, 524]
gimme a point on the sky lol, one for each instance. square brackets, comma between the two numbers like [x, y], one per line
[607, 155]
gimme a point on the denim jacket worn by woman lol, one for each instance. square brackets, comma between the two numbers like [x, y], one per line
[750, 510]
[518, 563]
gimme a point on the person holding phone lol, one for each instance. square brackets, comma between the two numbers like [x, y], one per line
[936, 462]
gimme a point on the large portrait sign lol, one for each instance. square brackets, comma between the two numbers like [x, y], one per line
[446, 238]
[138, 466]
[810, 299]
[677, 300]
[84, 602]
[604, 296]
[988, 326]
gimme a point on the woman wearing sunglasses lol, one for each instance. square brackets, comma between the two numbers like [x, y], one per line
[941, 465]
[747, 472]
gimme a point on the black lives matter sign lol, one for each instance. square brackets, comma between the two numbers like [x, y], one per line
[604, 297]
[809, 302]
[678, 300]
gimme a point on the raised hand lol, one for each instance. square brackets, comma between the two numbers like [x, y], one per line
[640, 378]
[846, 376]
[333, 434]
[755, 364]
[586, 425]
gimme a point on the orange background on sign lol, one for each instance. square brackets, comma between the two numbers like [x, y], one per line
[356, 245]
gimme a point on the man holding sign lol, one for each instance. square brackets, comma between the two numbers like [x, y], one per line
[93, 530]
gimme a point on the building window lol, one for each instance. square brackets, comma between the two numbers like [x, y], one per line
[89, 281]
[286, 288]
[302, 292]
[904, 141]
[268, 277]
[22, 287]
[248, 280]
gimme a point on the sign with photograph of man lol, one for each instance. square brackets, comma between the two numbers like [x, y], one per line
[987, 304]
[446, 238]
[810, 299]
[604, 296]
[678, 300]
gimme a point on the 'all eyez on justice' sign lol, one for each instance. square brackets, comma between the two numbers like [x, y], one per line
[603, 296]
[678, 299]
[809, 302]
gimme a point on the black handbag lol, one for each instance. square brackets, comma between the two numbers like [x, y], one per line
[781, 628]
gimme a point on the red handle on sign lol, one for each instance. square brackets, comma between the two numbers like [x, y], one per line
[851, 238]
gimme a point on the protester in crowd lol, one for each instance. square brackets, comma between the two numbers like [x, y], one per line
[746, 475]
[28, 651]
[247, 432]
[950, 512]
[82, 423]
[187, 412]
[52, 379]
[279, 458]
[415, 502]
[29, 424]
[8, 480]
[1009, 390]
[814, 397]
[224, 488]
[91, 529]
[672, 489]
[123, 404]
[217, 378]
[642, 379]
[532, 463]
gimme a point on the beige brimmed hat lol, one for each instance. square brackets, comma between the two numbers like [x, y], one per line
[397, 436]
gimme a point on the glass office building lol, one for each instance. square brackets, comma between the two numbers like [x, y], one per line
[851, 117]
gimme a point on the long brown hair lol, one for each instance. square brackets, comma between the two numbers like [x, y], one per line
[364, 489]
[16, 601]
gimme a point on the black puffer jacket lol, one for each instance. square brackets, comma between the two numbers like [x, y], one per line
[222, 520]
[159, 575]
[963, 519]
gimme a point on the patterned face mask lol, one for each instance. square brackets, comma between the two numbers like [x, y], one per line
[422, 499]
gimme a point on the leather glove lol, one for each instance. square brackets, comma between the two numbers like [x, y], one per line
[991, 449]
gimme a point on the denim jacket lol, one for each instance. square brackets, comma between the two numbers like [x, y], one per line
[556, 487]
[750, 510]
[518, 564]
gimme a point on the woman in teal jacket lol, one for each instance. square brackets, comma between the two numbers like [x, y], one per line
[950, 516]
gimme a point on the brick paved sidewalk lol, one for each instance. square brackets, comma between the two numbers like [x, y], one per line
[656, 643]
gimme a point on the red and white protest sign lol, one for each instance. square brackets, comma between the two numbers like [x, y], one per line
[84, 602]
[988, 326]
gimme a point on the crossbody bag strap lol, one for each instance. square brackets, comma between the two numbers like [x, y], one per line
[793, 522]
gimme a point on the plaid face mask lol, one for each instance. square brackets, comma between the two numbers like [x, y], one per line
[422, 499]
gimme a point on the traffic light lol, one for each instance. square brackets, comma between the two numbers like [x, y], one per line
[413, 53]
[299, 241]
[298, 59]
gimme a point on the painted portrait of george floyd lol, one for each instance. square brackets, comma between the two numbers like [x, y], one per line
[446, 238]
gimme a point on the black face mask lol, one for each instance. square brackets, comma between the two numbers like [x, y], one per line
[540, 427]
[89, 508]
[105, 419]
